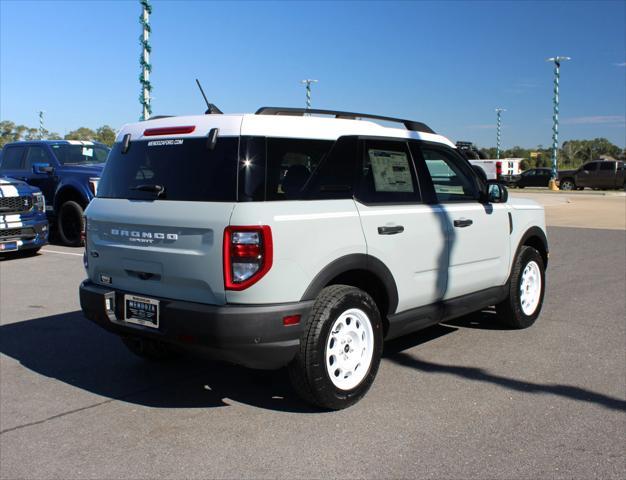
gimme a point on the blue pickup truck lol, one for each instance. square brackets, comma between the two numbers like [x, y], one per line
[66, 171]
[23, 223]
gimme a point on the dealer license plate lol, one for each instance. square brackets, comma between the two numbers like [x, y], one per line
[141, 311]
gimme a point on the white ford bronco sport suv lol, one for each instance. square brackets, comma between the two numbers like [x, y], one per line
[301, 238]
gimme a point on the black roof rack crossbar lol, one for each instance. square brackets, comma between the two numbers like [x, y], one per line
[409, 124]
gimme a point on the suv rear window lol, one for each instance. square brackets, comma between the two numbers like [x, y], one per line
[185, 168]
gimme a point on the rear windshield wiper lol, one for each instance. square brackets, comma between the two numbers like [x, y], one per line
[158, 189]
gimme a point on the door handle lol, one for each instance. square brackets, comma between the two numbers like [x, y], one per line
[463, 222]
[390, 230]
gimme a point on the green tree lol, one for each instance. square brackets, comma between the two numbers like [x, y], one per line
[10, 132]
[106, 135]
[82, 133]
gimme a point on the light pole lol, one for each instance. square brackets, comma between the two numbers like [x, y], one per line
[308, 83]
[555, 117]
[41, 112]
[499, 126]
[144, 60]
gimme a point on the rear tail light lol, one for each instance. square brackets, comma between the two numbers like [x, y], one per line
[247, 255]
[498, 168]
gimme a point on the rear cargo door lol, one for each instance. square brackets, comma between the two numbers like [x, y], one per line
[157, 224]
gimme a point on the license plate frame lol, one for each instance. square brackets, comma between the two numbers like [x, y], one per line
[142, 311]
[8, 246]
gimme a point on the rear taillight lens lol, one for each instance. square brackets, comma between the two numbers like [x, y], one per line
[247, 255]
[498, 168]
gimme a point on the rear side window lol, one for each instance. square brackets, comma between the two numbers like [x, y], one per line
[387, 174]
[278, 168]
[12, 158]
[590, 167]
[607, 166]
[185, 169]
[335, 177]
[290, 163]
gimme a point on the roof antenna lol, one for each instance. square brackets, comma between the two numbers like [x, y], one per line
[211, 108]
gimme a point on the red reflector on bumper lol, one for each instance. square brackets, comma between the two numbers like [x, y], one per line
[291, 320]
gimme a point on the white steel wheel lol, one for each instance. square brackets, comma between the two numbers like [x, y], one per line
[349, 349]
[530, 288]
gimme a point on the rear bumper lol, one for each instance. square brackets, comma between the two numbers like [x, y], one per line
[250, 335]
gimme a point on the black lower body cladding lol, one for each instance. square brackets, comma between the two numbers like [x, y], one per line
[250, 335]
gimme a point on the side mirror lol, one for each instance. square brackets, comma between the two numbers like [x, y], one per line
[496, 192]
[42, 168]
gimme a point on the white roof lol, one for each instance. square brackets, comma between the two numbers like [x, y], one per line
[284, 126]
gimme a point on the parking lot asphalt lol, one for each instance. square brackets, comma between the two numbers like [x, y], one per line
[582, 209]
[463, 400]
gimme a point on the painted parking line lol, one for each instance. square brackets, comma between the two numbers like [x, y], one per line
[62, 253]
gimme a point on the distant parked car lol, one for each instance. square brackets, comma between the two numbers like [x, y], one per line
[23, 224]
[535, 177]
[602, 174]
[66, 171]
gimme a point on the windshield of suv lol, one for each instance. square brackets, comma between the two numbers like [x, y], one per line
[83, 154]
[183, 169]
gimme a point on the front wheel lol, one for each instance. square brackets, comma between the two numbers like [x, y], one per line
[567, 184]
[340, 348]
[522, 306]
[71, 223]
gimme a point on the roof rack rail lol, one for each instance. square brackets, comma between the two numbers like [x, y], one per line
[409, 124]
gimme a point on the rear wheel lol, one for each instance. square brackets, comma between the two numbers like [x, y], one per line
[150, 349]
[523, 304]
[567, 184]
[71, 223]
[340, 348]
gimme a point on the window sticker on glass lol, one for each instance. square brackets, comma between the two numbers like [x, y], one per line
[391, 171]
[88, 152]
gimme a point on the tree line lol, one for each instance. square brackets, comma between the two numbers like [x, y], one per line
[10, 132]
[572, 153]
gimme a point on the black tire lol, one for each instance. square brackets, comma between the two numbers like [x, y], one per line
[71, 223]
[567, 184]
[150, 349]
[510, 311]
[308, 372]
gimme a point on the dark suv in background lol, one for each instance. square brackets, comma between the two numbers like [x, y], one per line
[66, 171]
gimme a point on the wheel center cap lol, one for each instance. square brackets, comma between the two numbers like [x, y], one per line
[346, 348]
